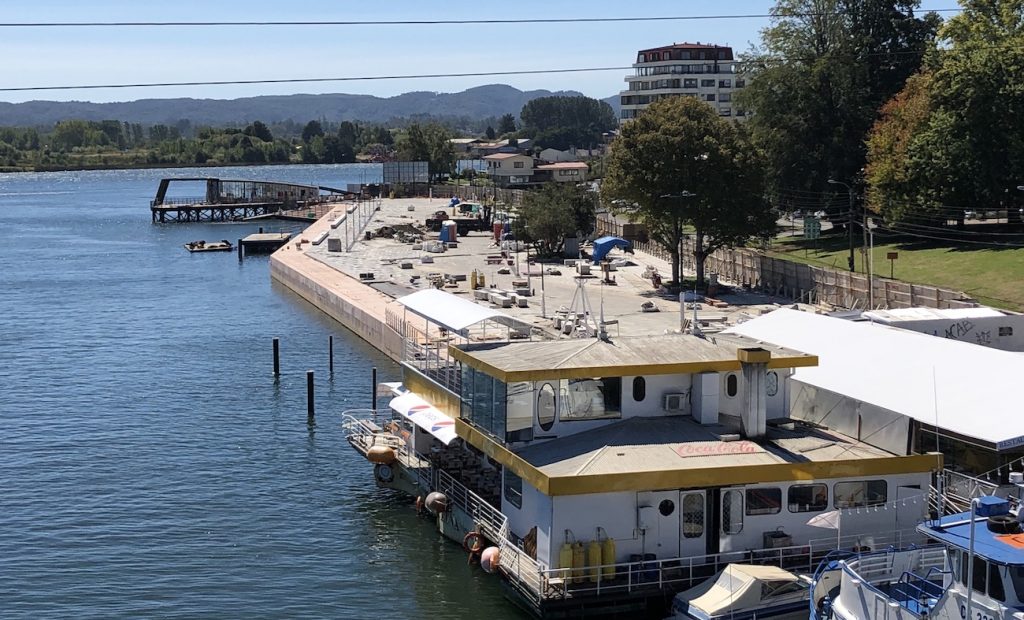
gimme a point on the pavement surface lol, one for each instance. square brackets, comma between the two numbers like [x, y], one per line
[618, 299]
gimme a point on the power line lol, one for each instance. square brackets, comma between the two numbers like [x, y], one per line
[312, 80]
[422, 22]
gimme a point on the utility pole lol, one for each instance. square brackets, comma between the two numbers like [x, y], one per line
[849, 219]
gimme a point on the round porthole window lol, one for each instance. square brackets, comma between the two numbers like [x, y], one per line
[731, 385]
[639, 389]
[772, 379]
[666, 507]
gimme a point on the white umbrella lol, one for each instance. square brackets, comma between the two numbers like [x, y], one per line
[827, 520]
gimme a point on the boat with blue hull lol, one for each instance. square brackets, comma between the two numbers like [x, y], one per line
[973, 567]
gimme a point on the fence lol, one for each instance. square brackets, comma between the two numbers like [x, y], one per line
[754, 269]
[479, 194]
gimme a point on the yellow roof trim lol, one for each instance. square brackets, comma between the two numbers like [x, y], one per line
[694, 478]
[619, 370]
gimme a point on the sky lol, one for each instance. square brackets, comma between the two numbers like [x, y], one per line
[61, 56]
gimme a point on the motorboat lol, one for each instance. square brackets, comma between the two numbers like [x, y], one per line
[214, 246]
[745, 591]
[974, 569]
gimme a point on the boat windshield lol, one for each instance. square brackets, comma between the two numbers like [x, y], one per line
[1017, 577]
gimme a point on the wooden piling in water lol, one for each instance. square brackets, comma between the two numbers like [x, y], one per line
[239, 250]
[330, 354]
[277, 357]
[373, 389]
[310, 409]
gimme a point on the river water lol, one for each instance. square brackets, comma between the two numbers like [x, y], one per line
[151, 466]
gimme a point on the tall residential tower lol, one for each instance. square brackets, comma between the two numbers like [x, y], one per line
[688, 69]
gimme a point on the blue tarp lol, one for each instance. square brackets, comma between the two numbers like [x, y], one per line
[605, 244]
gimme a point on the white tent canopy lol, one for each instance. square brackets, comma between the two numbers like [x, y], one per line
[455, 313]
[960, 387]
[425, 416]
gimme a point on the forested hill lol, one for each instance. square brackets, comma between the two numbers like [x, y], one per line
[483, 101]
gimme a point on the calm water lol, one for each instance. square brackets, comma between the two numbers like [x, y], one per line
[150, 465]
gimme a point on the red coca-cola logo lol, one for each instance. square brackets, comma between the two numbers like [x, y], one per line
[716, 448]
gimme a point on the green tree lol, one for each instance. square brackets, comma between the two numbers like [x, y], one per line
[678, 166]
[311, 130]
[556, 211]
[815, 87]
[430, 143]
[507, 124]
[259, 130]
[489, 134]
[564, 122]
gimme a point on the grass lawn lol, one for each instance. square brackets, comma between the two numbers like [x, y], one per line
[992, 275]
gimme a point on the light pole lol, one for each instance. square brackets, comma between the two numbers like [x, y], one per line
[849, 224]
[682, 296]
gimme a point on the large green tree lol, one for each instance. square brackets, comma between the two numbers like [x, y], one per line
[556, 211]
[963, 122]
[678, 167]
[564, 122]
[814, 88]
[430, 143]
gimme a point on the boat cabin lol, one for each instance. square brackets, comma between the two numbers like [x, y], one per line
[664, 445]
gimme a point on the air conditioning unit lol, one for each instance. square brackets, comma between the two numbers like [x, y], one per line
[676, 403]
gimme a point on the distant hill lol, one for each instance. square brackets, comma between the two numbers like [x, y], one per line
[480, 102]
[615, 103]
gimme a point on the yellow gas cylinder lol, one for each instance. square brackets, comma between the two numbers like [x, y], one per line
[593, 560]
[472, 280]
[565, 560]
[480, 280]
[608, 557]
[579, 561]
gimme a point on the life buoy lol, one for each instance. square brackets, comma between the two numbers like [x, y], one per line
[473, 542]
[383, 473]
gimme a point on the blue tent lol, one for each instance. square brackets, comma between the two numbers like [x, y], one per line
[605, 244]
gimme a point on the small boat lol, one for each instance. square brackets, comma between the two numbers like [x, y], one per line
[745, 591]
[215, 246]
[974, 570]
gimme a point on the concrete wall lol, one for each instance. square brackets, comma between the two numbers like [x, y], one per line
[1002, 332]
[318, 292]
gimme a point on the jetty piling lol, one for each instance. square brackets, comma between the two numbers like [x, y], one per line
[310, 397]
[239, 250]
[330, 355]
[373, 389]
[277, 357]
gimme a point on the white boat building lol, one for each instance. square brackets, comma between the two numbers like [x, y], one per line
[609, 474]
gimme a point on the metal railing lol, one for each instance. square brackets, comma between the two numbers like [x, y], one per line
[959, 489]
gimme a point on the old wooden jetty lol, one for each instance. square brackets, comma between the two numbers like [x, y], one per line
[229, 200]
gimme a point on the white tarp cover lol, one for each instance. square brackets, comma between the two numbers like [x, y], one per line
[961, 387]
[455, 313]
[736, 588]
[425, 416]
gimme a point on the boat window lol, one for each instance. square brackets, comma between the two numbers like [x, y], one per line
[693, 515]
[513, 489]
[731, 385]
[732, 512]
[778, 588]
[519, 408]
[546, 407]
[979, 574]
[995, 582]
[767, 501]
[963, 569]
[860, 493]
[1017, 576]
[807, 497]
[639, 389]
[666, 507]
[590, 399]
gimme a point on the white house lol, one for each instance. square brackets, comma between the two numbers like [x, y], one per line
[561, 172]
[510, 168]
[555, 155]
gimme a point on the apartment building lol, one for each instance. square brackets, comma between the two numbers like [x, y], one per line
[708, 72]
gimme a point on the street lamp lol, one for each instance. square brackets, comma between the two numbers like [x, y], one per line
[849, 225]
[682, 296]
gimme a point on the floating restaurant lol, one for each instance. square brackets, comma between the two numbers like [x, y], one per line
[602, 476]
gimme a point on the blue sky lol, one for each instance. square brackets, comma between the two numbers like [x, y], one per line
[66, 56]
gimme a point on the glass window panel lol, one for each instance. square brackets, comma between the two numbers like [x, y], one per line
[995, 582]
[467, 393]
[693, 515]
[519, 409]
[860, 493]
[732, 512]
[807, 497]
[482, 405]
[546, 407]
[513, 489]
[498, 409]
[764, 501]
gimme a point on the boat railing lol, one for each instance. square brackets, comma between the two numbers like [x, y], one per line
[959, 489]
[363, 429]
[922, 589]
[492, 523]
